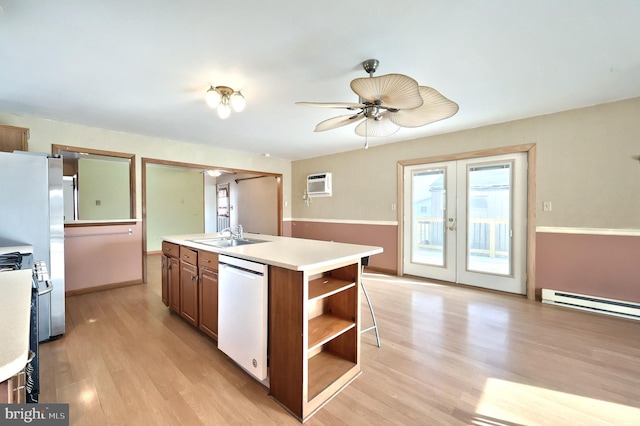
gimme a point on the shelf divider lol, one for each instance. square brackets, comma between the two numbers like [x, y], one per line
[326, 327]
[326, 286]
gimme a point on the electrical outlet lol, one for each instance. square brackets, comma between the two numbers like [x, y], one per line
[546, 206]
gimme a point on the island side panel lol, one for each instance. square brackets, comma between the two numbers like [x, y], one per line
[286, 348]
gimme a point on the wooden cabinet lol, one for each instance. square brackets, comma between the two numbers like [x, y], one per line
[14, 138]
[189, 285]
[13, 390]
[208, 300]
[171, 275]
[313, 319]
[174, 285]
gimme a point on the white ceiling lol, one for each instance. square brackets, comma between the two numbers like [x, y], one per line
[142, 66]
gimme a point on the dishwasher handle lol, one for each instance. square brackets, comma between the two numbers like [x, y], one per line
[240, 271]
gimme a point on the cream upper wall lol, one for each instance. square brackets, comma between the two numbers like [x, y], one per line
[585, 164]
[175, 205]
[585, 167]
[44, 133]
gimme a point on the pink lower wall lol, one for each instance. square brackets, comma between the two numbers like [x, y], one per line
[595, 265]
[385, 236]
[104, 255]
[287, 230]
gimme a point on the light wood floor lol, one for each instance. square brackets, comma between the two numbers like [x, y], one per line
[449, 356]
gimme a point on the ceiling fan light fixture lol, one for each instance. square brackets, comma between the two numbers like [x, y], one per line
[376, 127]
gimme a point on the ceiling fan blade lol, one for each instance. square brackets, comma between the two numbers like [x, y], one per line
[394, 90]
[348, 105]
[435, 107]
[376, 128]
[335, 122]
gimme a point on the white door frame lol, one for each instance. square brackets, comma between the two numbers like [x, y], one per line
[530, 149]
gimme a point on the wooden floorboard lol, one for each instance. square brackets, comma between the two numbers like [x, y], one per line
[450, 355]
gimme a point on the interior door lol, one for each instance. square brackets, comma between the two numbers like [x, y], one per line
[465, 222]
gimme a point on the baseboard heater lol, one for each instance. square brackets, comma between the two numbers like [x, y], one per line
[601, 305]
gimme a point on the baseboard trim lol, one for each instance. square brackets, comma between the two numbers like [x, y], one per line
[381, 270]
[101, 288]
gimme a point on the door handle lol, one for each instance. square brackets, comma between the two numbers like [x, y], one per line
[452, 224]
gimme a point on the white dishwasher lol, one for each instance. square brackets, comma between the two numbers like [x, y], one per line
[243, 290]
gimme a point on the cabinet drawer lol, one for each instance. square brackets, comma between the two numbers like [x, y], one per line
[188, 255]
[170, 249]
[207, 259]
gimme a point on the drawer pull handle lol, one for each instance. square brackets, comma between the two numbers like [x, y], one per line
[206, 260]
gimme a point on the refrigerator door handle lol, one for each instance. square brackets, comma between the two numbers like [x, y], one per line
[47, 289]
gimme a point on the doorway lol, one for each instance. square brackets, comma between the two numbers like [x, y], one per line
[150, 189]
[465, 221]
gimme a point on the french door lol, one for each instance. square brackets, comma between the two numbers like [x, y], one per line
[465, 221]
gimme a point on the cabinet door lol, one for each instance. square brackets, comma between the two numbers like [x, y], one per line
[209, 302]
[13, 390]
[13, 138]
[189, 293]
[173, 283]
[165, 280]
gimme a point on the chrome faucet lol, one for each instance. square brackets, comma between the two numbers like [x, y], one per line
[239, 234]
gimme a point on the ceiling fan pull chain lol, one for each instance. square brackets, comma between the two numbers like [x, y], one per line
[366, 133]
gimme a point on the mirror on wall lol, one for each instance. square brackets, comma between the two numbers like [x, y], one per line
[98, 185]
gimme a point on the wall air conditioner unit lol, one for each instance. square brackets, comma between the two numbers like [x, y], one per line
[319, 185]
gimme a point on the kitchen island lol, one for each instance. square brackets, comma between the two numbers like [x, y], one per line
[313, 307]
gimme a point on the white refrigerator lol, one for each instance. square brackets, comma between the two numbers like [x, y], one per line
[31, 211]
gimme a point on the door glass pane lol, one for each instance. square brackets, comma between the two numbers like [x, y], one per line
[489, 219]
[429, 208]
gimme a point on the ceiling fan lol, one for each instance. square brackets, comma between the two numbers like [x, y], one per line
[387, 103]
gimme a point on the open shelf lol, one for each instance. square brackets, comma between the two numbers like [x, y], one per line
[326, 327]
[324, 369]
[326, 286]
[313, 321]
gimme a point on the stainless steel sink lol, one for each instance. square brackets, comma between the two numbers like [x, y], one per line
[222, 242]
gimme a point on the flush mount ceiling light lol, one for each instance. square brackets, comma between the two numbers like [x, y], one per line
[223, 98]
[217, 172]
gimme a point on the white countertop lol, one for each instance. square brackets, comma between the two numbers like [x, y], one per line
[297, 254]
[15, 311]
